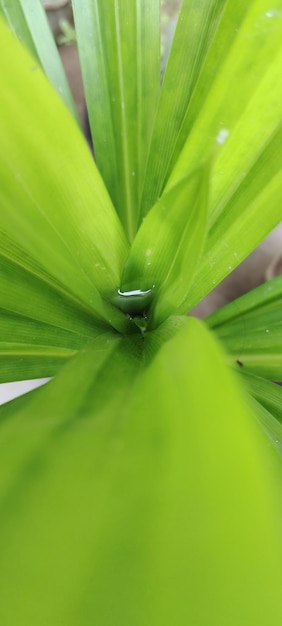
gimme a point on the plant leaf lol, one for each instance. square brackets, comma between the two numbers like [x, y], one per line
[240, 126]
[33, 349]
[122, 81]
[106, 494]
[60, 195]
[24, 293]
[26, 361]
[196, 25]
[250, 329]
[267, 401]
[246, 127]
[166, 250]
[268, 394]
[28, 21]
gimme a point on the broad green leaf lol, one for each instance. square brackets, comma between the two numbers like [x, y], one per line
[197, 22]
[28, 21]
[135, 493]
[166, 250]
[250, 329]
[119, 48]
[50, 185]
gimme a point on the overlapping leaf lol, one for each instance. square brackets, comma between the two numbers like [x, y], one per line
[196, 26]
[40, 324]
[167, 248]
[232, 110]
[136, 503]
[122, 81]
[28, 21]
[251, 329]
[56, 206]
[267, 398]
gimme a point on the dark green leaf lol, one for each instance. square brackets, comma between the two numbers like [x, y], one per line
[121, 78]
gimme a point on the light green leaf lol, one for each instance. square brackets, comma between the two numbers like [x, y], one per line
[251, 329]
[197, 23]
[50, 185]
[235, 114]
[28, 21]
[166, 250]
[267, 402]
[40, 325]
[267, 393]
[135, 504]
[121, 77]
[248, 216]
[24, 293]
[26, 361]
[33, 349]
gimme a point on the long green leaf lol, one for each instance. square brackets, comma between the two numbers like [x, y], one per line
[270, 425]
[23, 293]
[267, 393]
[60, 194]
[166, 250]
[250, 329]
[246, 128]
[28, 21]
[26, 361]
[32, 349]
[135, 493]
[122, 81]
[267, 402]
[196, 25]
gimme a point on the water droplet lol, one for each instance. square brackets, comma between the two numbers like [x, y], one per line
[135, 301]
[267, 330]
[148, 252]
[133, 173]
[222, 136]
[229, 267]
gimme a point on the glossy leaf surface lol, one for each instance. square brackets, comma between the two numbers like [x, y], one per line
[167, 248]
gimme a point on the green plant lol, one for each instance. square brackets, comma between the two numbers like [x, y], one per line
[139, 486]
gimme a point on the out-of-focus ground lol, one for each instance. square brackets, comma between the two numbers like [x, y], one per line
[261, 265]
